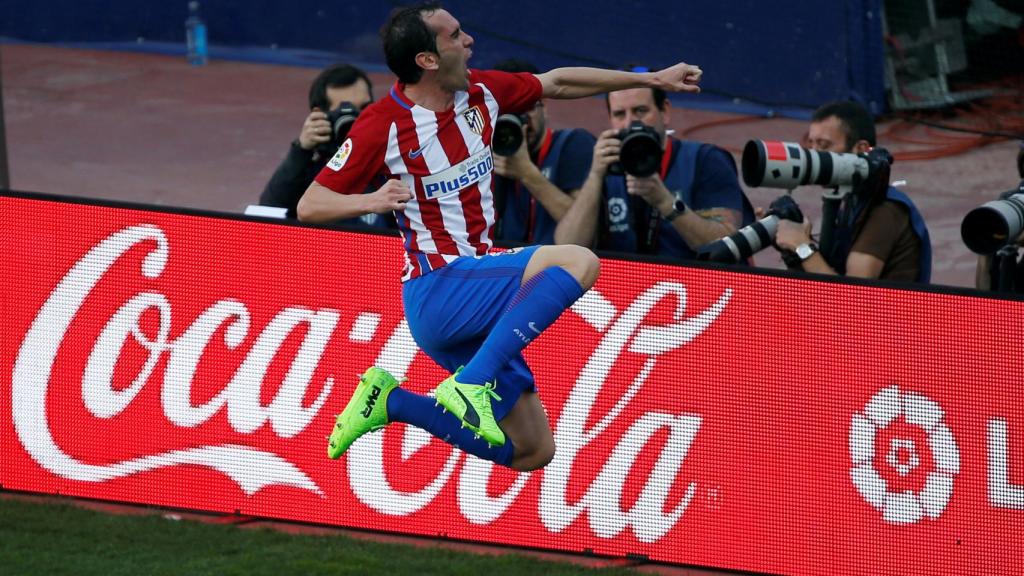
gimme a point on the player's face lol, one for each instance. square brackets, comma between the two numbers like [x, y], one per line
[454, 48]
[358, 94]
[827, 136]
[625, 106]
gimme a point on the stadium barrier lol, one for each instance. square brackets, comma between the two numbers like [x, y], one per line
[727, 419]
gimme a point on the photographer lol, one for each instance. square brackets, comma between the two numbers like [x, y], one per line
[537, 183]
[692, 198]
[879, 233]
[307, 155]
[987, 275]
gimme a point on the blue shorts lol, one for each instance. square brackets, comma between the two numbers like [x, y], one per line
[452, 310]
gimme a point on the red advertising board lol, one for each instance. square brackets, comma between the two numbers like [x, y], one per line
[703, 417]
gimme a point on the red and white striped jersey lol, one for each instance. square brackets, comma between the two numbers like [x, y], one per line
[444, 157]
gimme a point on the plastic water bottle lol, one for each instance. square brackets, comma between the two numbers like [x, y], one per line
[195, 36]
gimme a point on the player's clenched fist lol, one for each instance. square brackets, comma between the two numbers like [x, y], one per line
[391, 196]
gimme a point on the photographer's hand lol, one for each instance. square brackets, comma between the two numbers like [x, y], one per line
[606, 152]
[517, 166]
[315, 130]
[792, 234]
[652, 190]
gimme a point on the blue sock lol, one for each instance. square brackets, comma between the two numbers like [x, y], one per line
[419, 411]
[537, 304]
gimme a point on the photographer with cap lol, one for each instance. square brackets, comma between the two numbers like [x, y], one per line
[692, 197]
[538, 181]
[336, 86]
[879, 232]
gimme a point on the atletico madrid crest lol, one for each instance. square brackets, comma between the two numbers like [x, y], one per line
[475, 120]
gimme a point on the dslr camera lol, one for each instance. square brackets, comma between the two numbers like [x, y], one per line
[743, 243]
[508, 134]
[341, 120]
[640, 154]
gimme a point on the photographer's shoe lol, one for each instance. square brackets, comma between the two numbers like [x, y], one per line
[365, 412]
[471, 403]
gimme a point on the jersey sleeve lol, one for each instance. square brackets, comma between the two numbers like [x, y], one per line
[359, 159]
[515, 91]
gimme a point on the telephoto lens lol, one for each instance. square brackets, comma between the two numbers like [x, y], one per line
[508, 134]
[786, 165]
[753, 238]
[994, 224]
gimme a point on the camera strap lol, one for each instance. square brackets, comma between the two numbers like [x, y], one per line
[652, 233]
[542, 155]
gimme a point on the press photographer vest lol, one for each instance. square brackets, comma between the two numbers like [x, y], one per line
[629, 219]
[845, 236]
[521, 217]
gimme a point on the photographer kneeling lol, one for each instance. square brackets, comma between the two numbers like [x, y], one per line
[879, 233]
[649, 193]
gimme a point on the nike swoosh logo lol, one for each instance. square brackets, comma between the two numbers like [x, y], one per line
[414, 154]
[533, 327]
[470, 417]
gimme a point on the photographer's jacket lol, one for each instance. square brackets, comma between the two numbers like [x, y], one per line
[564, 159]
[294, 175]
[702, 175]
[893, 231]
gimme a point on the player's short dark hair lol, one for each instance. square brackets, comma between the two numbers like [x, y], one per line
[335, 76]
[659, 95]
[516, 65]
[405, 35]
[856, 121]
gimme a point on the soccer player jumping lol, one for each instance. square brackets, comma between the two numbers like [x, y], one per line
[471, 310]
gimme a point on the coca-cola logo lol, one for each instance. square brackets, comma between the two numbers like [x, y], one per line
[626, 330]
[621, 331]
[252, 469]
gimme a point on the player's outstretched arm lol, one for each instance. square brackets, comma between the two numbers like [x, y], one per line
[321, 205]
[565, 83]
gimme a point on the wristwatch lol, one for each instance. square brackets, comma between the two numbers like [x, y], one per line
[806, 250]
[678, 208]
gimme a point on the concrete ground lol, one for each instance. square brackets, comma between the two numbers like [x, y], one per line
[149, 128]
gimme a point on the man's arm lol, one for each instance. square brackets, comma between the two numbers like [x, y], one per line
[519, 167]
[567, 83]
[551, 197]
[696, 227]
[290, 180]
[858, 264]
[579, 224]
[321, 205]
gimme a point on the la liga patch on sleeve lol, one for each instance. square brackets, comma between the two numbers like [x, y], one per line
[341, 156]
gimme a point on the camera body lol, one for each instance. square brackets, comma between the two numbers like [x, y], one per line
[341, 120]
[508, 133]
[753, 238]
[995, 224]
[640, 153]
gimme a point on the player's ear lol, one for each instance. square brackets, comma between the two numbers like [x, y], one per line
[428, 60]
